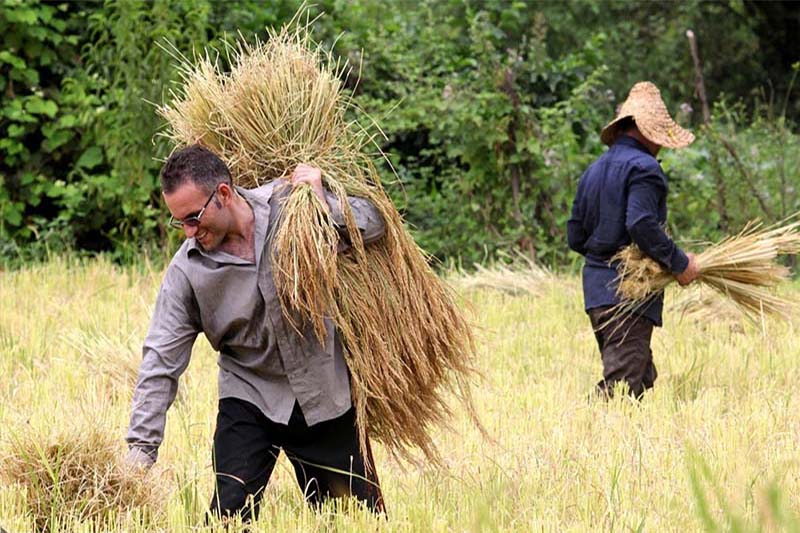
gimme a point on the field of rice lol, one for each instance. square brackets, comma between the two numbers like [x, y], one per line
[713, 446]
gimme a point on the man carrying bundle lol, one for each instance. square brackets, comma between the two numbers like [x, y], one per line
[621, 198]
[278, 389]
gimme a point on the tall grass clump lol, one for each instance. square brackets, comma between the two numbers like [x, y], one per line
[406, 343]
[741, 267]
[76, 473]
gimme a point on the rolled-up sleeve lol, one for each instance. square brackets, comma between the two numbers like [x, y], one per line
[368, 219]
[165, 355]
[646, 189]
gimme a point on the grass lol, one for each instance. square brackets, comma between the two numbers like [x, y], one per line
[714, 446]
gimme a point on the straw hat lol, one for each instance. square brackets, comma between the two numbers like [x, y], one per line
[645, 106]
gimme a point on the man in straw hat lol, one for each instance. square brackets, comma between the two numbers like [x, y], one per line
[622, 198]
[278, 389]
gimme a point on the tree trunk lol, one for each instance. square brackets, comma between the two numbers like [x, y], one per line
[700, 90]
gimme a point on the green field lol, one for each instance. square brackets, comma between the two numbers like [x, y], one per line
[715, 444]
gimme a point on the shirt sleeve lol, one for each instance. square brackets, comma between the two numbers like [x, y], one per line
[646, 188]
[165, 355]
[576, 236]
[369, 220]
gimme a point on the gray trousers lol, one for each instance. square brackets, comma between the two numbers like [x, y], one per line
[625, 350]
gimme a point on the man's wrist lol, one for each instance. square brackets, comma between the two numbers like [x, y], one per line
[679, 262]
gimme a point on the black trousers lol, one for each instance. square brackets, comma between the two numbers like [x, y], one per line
[326, 459]
[625, 350]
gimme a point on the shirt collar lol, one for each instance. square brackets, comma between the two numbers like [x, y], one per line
[627, 140]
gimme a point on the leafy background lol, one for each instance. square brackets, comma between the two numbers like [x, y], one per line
[492, 110]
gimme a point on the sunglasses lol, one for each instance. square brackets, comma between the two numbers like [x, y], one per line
[191, 221]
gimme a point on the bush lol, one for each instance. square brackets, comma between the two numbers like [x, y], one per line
[492, 111]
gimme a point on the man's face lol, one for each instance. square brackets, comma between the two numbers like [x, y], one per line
[187, 201]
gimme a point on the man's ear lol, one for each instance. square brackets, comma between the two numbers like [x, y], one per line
[225, 194]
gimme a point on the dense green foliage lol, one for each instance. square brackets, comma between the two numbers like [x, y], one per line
[491, 111]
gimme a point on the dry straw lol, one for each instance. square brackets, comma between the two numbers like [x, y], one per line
[406, 343]
[702, 304]
[742, 267]
[115, 359]
[519, 276]
[111, 360]
[77, 473]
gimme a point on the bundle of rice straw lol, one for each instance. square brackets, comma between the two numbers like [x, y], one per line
[406, 342]
[77, 473]
[741, 267]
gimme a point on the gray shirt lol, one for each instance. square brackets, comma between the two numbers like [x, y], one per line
[234, 302]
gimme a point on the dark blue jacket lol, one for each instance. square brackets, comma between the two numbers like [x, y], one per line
[622, 197]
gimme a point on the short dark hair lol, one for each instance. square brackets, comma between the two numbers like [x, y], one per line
[621, 127]
[626, 123]
[194, 163]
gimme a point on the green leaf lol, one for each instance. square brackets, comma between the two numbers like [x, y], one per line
[27, 178]
[15, 130]
[28, 75]
[11, 147]
[67, 121]
[46, 57]
[55, 138]
[55, 189]
[91, 158]
[11, 59]
[40, 106]
[12, 213]
[23, 16]
[39, 33]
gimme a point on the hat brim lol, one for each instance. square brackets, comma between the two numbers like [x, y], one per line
[673, 136]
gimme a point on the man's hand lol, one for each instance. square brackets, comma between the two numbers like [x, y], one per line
[691, 273]
[311, 176]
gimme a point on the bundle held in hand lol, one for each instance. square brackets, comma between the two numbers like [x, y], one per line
[741, 267]
[406, 343]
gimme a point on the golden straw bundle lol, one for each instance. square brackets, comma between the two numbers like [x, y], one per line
[77, 473]
[741, 267]
[405, 341]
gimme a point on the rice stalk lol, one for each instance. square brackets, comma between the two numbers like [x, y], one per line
[405, 341]
[115, 360]
[306, 281]
[76, 473]
[741, 267]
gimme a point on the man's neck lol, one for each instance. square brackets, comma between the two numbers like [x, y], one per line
[240, 240]
[652, 147]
